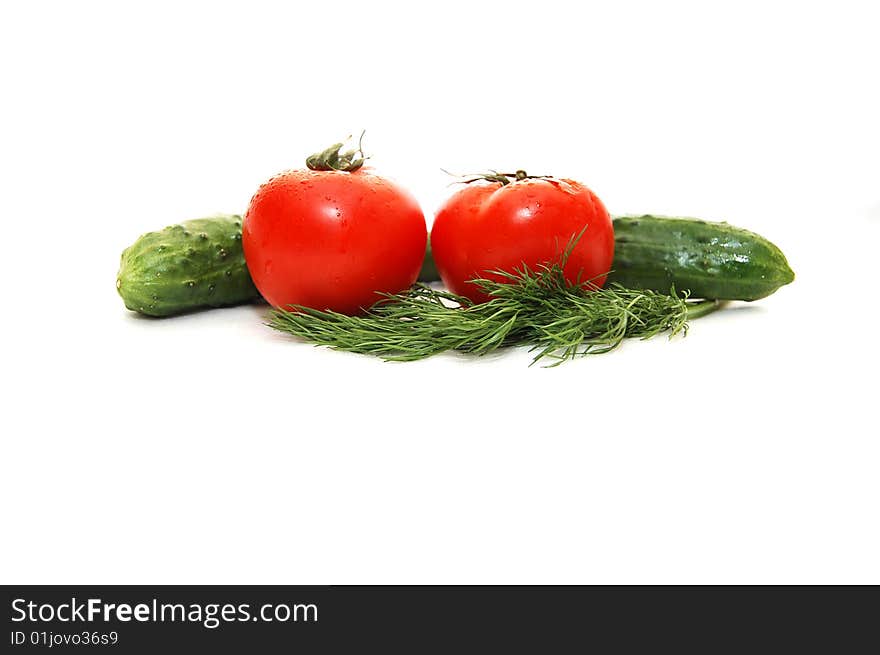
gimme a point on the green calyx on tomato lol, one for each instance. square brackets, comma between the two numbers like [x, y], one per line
[333, 159]
[333, 236]
[504, 178]
[504, 222]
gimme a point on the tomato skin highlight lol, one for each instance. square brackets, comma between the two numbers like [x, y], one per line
[332, 240]
[489, 226]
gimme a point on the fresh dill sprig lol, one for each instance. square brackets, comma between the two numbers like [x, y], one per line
[560, 321]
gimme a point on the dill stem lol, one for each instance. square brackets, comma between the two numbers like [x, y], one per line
[698, 309]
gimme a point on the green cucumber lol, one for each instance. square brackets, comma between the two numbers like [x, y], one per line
[707, 260]
[429, 268]
[196, 264]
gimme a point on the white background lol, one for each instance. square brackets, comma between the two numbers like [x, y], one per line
[208, 449]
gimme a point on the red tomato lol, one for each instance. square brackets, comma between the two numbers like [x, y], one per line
[332, 239]
[490, 225]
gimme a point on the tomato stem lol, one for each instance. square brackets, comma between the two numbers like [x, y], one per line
[505, 178]
[332, 159]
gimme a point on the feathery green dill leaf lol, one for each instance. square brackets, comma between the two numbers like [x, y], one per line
[529, 307]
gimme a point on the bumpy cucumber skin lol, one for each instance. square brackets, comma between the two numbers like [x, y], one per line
[193, 265]
[429, 268]
[709, 260]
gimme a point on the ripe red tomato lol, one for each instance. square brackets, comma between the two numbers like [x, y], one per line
[493, 224]
[332, 239]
